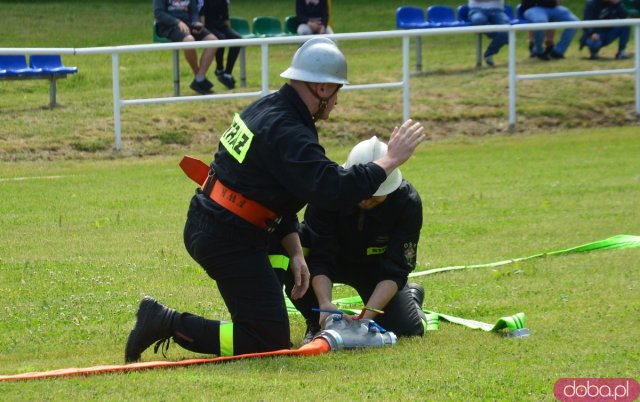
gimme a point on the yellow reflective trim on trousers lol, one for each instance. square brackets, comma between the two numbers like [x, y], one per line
[376, 250]
[237, 139]
[226, 339]
[279, 261]
[305, 251]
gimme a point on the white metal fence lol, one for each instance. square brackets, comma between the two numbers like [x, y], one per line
[406, 35]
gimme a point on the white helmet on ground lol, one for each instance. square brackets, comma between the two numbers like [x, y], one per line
[318, 60]
[369, 151]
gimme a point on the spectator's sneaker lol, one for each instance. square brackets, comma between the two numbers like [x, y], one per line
[621, 55]
[227, 80]
[417, 292]
[208, 83]
[489, 61]
[154, 323]
[532, 50]
[543, 56]
[312, 330]
[555, 55]
[200, 87]
[218, 73]
[549, 49]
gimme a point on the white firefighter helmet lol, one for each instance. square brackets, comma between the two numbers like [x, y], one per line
[369, 151]
[318, 60]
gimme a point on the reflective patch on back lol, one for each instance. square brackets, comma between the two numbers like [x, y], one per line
[237, 139]
[376, 250]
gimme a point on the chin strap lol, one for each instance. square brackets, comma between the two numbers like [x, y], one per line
[322, 106]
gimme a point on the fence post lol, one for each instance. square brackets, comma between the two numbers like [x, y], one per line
[405, 76]
[265, 68]
[637, 57]
[418, 54]
[176, 73]
[512, 79]
[116, 99]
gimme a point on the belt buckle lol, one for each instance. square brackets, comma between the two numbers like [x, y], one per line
[208, 184]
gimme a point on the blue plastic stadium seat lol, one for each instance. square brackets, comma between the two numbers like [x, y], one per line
[443, 16]
[50, 64]
[16, 65]
[409, 17]
[463, 13]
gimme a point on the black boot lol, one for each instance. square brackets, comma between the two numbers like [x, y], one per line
[155, 322]
[313, 327]
[417, 292]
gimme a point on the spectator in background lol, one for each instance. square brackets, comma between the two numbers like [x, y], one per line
[490, 12]
[541, 11]
[597, 38]
[313, 17]
[215, 15]
[179, 21]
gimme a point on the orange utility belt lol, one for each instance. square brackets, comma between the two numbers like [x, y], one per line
[233, 201]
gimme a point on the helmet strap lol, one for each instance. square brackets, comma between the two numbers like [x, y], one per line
[324, 101]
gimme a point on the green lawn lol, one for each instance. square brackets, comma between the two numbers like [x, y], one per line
[84, 240]
[86, 231]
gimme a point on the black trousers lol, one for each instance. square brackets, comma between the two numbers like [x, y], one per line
[402, 315]
[236, 257]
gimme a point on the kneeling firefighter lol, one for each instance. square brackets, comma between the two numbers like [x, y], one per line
[269, 164]
[371, 246]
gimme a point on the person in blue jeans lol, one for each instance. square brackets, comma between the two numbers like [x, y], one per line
[541, 11]
[490, 12]
[597, 38]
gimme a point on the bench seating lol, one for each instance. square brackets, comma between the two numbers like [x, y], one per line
[47, 67]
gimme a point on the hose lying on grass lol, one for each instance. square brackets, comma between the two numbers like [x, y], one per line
[513, 324]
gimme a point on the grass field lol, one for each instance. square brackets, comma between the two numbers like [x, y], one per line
[81, 247]
[86, 232]
[450, 96]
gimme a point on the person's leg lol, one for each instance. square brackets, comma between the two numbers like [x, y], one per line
[497, 17]
[191, 55]
[247, 283]
[594, 45]
[562, 14]
[219, 60]
[624, 34]
[402, 315]
[304, 29]
[532, 51]
[233, 52]
[478, 16]
[207, 57]
[305, 306]
[537, 15]
[609, 35]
